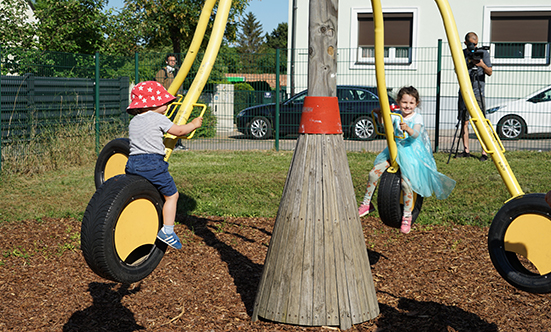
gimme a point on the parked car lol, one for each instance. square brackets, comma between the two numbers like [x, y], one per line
[528, 115]
[355, 106]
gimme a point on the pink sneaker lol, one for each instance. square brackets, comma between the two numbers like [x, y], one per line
[406, 225]
[364, 210]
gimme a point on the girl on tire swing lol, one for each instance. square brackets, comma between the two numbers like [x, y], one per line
[150, 101]
[417, 165]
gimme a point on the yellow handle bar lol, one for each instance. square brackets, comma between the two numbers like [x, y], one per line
[200, 115]
[384, 134]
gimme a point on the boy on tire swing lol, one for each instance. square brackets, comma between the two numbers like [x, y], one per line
[146, 130]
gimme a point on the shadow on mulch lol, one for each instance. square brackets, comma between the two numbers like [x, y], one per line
[245, 273]
[107, 312]
[429, 316]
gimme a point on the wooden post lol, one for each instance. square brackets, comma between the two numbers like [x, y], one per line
[317, 270]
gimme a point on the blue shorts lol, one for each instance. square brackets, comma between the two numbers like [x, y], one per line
[154, 168]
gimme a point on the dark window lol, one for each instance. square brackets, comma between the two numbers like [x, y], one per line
[511, 32]
[398, 29]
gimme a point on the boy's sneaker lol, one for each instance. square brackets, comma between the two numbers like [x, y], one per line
[170, 239]
[366, 209]
[406, 225]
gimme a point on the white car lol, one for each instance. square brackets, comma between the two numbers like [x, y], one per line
[528, 115]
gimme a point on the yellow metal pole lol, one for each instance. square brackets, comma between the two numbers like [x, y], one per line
[193, 47]
[483, 128]
[381, 83]
[202, 74]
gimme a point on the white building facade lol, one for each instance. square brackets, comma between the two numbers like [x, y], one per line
[518, 34]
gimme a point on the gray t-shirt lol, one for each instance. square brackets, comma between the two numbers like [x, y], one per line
[146, 131]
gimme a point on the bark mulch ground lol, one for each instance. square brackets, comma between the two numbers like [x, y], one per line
[433, 279]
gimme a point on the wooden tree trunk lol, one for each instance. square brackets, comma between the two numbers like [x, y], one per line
[317, 270]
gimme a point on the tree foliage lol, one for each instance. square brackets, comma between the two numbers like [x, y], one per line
[250, 39]
[16, 28]
[122, 30]
[73, 26]
[278, 37]
[173, 22]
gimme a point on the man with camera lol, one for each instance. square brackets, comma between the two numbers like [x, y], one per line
[479, 65]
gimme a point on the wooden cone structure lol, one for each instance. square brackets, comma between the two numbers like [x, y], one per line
[317, 269]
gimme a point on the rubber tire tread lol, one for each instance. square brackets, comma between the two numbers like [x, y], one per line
[118, 145]
[99, 221]
[507, 263]
[388, 200]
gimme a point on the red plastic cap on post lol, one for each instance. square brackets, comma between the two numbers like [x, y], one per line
[320, 115]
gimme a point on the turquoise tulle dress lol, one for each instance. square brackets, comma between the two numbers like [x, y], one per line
[416, 161]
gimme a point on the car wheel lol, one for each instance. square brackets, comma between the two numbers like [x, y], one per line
[511, 127]
[260, 128]
[363, 129]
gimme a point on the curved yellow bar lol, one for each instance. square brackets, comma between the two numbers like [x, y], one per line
[381, 83]
[203, 73]
[489, 141]
[193, 47]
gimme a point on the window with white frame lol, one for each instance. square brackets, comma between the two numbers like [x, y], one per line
[398, 35]
[520, 37]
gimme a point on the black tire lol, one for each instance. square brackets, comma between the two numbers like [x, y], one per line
[511, 127]
[531, 208]
[119, 229]
[260, 128]
[389, 197]
[111, 160]
[363, 129]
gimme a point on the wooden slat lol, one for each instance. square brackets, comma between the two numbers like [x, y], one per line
[331, 215]
[319, 268]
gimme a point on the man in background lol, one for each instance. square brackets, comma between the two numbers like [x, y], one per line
[166, 76]
[478, 69]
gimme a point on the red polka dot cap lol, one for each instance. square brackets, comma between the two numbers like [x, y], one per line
[149, 94]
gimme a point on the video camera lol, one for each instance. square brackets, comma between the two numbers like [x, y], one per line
[474, 54]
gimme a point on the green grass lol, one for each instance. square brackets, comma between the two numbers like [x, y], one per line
[250, 184]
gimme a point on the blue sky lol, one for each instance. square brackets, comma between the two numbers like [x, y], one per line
[268, 12]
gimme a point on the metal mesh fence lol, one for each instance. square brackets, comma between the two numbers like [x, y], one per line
[39, 88]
